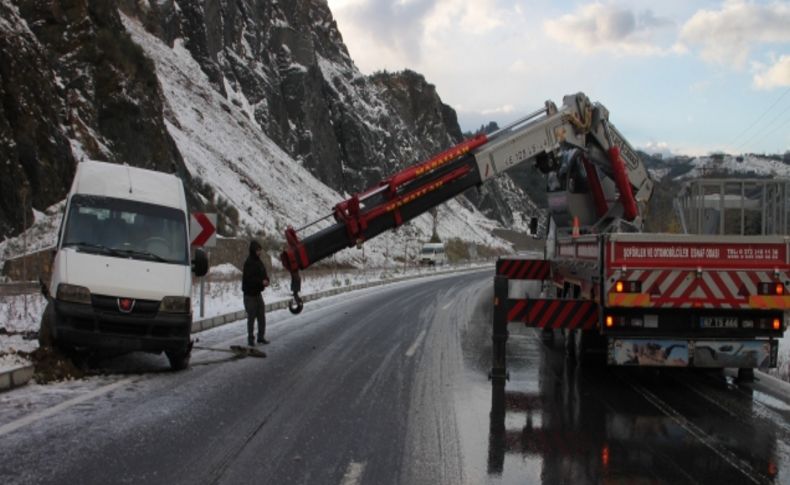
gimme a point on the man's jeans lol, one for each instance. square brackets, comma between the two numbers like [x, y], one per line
[253, 305]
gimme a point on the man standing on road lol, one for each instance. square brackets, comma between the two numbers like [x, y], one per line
[253, 280]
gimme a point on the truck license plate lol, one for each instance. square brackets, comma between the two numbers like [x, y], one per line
[720, 322]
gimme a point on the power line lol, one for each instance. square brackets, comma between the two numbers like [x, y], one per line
[776, 128]
[760, 135]
[762, 115]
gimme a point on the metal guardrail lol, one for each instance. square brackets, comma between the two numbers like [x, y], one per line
[734, 206]
[17, 288]
[23, 288]
[216, 321]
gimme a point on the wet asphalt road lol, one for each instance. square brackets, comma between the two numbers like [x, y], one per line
[391, 387]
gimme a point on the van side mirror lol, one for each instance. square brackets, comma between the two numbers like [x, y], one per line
[200, 263]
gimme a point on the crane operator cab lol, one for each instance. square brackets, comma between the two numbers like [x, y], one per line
[568, 192]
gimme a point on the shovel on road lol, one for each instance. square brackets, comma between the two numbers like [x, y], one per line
[238, 350]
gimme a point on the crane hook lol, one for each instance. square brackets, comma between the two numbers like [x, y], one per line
[296, 304]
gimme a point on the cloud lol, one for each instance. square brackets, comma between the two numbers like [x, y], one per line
[394, 26]
[657, 147]
[499, 110]
[519, 66]
[609, 27]
[727, 36]
[700, 87]
[397, 31]
[473, 17]
[649, 20]
[777, 75]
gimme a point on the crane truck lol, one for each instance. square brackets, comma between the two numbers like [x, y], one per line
[615, 292]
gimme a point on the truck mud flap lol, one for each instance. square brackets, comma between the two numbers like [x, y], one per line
[659, 352]
[524, 269]
[554, 313]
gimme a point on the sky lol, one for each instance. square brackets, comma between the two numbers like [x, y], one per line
[678, 76]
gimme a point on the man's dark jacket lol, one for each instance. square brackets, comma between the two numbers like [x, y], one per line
[254, 272]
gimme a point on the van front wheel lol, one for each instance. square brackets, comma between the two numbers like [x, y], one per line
[46, 332]
[179, 359]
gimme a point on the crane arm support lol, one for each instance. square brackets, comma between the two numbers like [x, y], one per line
[367, 215]
[540, 139]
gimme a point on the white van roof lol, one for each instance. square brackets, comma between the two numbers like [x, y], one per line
[433, 245]
[132, 183]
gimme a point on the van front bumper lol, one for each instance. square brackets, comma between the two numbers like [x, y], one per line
[82, 325]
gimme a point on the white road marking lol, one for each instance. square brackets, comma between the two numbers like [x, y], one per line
[416, 344]
[31, 418]
[44, 413]
[353, 473]
[447, 306]
[699, 434]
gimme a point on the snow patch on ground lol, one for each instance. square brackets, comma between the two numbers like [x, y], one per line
[20, 316]
[224, 270]
[41, 235]
[12, 361]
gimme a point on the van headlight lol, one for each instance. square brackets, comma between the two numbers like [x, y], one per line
[74, 294]
[175, 304]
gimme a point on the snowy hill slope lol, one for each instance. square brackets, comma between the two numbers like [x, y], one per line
[223, 147]
[680, 168]
[746, 166]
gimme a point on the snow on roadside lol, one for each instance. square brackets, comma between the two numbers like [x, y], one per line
[12, 361]
[19, 321]
[782, 370]
[223, 295]
[20, 316]
[41, 235]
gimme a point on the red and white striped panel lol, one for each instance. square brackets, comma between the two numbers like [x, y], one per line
[685, 289]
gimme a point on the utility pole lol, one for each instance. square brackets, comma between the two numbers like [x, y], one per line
[405, 249]
[434, 232]
[24, 238]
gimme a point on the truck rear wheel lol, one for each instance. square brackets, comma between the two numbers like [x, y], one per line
[547, 337]
[179, 359]
[745, 375]
[589, 348]
[568, 341]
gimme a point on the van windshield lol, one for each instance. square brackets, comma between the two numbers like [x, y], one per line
[126, 229]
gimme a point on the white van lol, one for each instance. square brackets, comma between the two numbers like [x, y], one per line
[433, 254]
[121, 275]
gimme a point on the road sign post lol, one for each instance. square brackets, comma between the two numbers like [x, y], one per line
[202, 296]
[203, 233]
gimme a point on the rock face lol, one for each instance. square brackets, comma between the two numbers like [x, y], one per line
[34, 151]
[74, 86]
[288, 63]
[283, 62]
